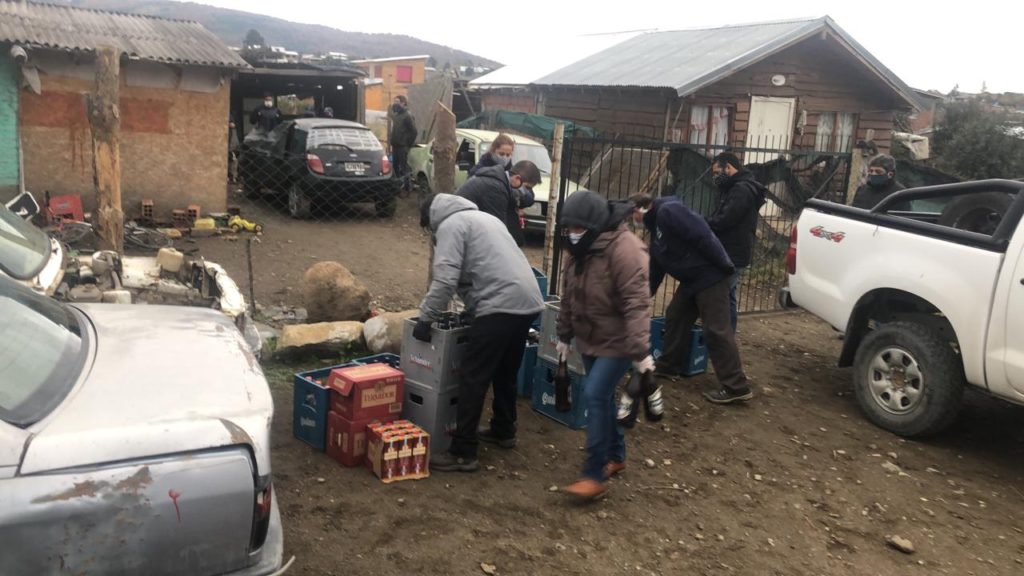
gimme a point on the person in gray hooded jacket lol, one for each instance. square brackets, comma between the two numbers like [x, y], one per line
[476, 258]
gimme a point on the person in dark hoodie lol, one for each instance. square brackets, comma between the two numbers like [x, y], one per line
[735, 218]
[880, 185]
[501, 194]
[477, 259]
[606, 308]
[402, 137]
[684, 247]
[499, 154]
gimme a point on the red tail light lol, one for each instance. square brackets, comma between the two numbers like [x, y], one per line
[314, 163]
[261, 513]
[385, 165]
[791, 253]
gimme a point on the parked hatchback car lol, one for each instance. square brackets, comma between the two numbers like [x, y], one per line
[133, 440]
[319, 160]
[471, 145]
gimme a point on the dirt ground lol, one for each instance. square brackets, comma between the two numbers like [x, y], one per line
[791, 484]
[389, 255]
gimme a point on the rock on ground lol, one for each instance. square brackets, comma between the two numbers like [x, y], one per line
[328, 338]
[383, 333]
[332, 294]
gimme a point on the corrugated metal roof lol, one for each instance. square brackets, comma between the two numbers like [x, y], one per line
[574, 50]
[143, 37]
[688, 60]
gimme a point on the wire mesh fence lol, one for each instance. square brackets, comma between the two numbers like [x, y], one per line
[619, 169]
[316, 168]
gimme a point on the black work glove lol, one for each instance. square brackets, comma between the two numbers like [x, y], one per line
[422, 331]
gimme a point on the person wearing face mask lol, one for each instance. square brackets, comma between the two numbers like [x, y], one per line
[402, 138]
[266, 117]
[734, 220]
[606, 308]
[499, 154]
[502, 194]
[880, 184]
[684, 247]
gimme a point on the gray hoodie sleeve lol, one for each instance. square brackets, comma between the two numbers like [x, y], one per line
[447, 269]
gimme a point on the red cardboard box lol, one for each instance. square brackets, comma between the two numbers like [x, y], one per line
[398, 452]
[367, 392]
[346, 440]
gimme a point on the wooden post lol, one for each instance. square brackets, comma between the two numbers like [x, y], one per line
[858, 159]
[444, 149]
[554, 193]
[105, 124]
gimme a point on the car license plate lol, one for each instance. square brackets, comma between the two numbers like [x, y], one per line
[357, 167]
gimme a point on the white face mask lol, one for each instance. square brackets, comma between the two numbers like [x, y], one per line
[574, 237]
[268, 103]
[502, 159]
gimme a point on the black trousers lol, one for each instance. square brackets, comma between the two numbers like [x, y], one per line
[401, 154]
[712, 306]
[493, 355]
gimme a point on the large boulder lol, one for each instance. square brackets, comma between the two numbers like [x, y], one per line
[383, 333]
[324, 338]
[332, 294]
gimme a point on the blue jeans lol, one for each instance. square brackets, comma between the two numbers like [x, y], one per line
[605, 440]
[733, 283]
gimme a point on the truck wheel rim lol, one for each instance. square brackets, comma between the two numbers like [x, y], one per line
[895, 381]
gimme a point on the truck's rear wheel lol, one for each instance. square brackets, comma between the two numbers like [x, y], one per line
[908, 380]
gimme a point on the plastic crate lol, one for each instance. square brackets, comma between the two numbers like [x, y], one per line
[542, 282]
[543, 397]
[524, 379]
[549, 339]
[436, 363]
[435, 412]
[697, 362]
[393, 360]
[310, 404]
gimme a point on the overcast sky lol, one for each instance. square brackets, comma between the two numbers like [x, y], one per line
[930, 45]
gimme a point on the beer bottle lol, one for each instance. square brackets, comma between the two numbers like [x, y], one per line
[563, 401]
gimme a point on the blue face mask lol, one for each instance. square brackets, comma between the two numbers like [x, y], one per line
[878, 180]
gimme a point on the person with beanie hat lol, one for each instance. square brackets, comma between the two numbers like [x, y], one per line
[606, 308]
[880, 185]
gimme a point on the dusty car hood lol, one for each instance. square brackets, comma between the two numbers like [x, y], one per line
[163, 379]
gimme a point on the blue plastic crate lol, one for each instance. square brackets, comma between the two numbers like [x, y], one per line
[524, 379]
[542, 282]
[393, 360]
[698, 360]
[310, 404]
[543, 396]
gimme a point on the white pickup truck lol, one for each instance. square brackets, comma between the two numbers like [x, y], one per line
[928, 287]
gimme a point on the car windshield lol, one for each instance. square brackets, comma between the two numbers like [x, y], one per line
[43, 351]
[24, 249]
[533, 152]
[351, 138]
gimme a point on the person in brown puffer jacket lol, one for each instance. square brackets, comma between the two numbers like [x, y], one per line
[606, 307]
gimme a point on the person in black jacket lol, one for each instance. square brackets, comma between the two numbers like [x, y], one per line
[267, 117]
[684, 247]
[499, 154]
[881, 183]
[402, 138]
[501, 194]
[735, 218]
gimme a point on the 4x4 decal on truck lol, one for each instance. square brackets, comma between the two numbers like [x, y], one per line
[820, 232]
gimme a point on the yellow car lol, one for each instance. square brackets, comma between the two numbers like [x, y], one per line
[237, 224]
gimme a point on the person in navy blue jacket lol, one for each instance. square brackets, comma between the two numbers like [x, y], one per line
[684, 247]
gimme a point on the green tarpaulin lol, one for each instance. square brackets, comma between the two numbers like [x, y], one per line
[542, 127]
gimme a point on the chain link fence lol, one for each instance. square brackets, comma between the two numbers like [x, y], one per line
[619, 169]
